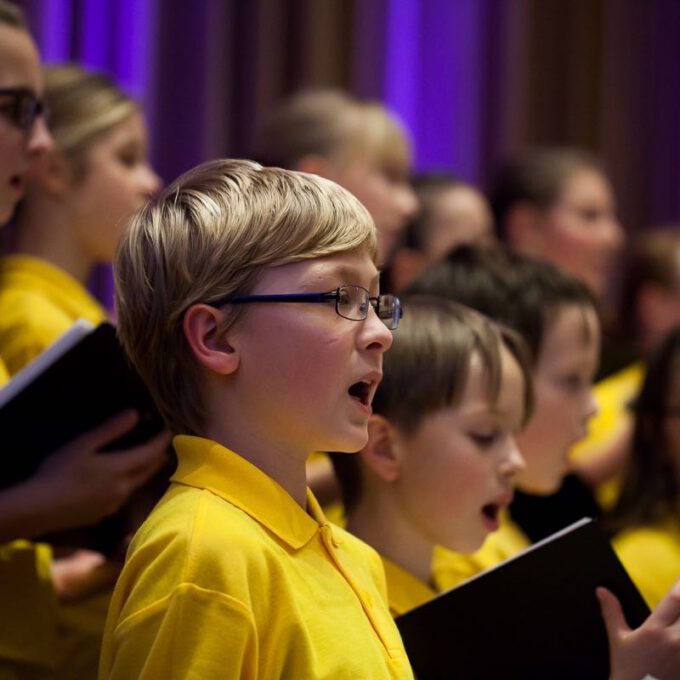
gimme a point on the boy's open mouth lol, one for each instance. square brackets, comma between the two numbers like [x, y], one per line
[361, 391]
[491, 511]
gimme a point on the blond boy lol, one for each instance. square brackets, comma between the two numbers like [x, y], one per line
[237, 573]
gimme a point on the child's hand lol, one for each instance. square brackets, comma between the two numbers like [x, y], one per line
[652, 649]
[79, 486]
[83, 573]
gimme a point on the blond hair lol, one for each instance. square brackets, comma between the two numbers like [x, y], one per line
[332, 124]
[211, 234]
[83, 106]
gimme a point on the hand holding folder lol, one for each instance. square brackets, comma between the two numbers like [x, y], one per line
[79, 433]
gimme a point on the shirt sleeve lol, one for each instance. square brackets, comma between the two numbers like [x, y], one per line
[194, 634]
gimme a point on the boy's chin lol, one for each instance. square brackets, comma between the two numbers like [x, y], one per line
[350, 444]
[540, 487]
[467, 546]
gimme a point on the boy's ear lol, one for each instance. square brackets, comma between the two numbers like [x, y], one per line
[381, 453]
[524, 229]
[211, 347]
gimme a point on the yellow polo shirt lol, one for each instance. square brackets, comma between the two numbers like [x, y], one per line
[28, 631]
[404, 590]
[230, 578]
[450, 568]
[38, 303]
[651, 555]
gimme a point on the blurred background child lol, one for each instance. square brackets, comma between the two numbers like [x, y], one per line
[77, 203]
[358, 144]
[451, 212]
[646, 515]
[649, 309]
[558, 204]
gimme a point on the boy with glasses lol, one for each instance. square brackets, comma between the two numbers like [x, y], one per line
[247, 298]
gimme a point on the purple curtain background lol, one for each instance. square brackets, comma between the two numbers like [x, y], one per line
[472, 79]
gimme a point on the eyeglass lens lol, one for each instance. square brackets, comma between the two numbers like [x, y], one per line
[354, 302]
[25, 108]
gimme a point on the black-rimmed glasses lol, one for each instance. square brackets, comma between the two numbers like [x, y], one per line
[24, 107]
[351, 302]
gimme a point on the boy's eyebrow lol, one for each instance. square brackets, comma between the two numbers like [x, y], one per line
[348, 275]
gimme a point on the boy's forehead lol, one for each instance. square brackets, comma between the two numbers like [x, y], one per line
[19, 61]
[354, 267]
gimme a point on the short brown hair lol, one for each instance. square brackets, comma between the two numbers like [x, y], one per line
[427, 367]
[211, 234]
[536, 176]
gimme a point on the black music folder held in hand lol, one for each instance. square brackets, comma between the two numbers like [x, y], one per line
[80, 381]
[534, 616]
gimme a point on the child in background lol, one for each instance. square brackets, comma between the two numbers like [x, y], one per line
[56, 497]
[76, 205]
[358, 144]
[646, 514]
[441, 456]
[248, 300]
[557, 204]
[557, 317]
[451, 213]
[650, 308]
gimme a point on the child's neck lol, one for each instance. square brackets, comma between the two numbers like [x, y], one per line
[285, 468]
[378, 522]
[45, 231]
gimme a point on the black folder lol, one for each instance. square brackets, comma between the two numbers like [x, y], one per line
[535, 616]
[76, 384]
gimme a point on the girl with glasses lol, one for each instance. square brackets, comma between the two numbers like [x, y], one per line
[56, 497]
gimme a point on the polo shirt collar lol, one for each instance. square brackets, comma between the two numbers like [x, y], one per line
[205, 464]
[405, 590]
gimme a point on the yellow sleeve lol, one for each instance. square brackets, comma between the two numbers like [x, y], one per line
[652, 558]
[28, 605]
[29, 325]
[193, 634]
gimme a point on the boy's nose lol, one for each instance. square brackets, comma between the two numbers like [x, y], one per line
[592, 406]
[374, 333]
[151, 183]
[513, 462]
[408, 201]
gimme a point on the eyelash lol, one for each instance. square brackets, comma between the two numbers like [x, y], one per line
[484, 440]
[127, 159]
